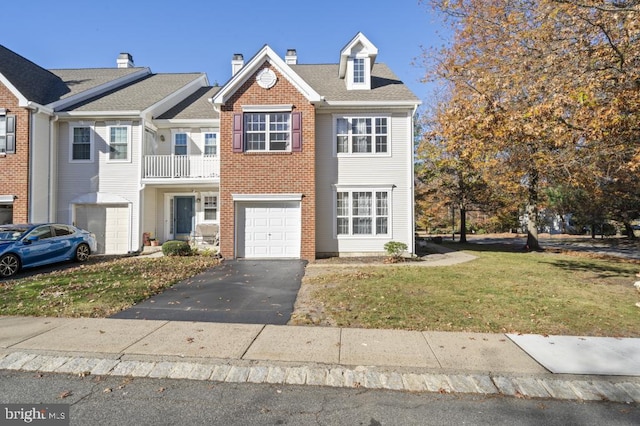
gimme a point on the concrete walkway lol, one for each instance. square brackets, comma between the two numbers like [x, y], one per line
[324, 356]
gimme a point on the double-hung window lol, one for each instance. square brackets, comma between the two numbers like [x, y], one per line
[267, 131]
[81, 143]
[7, 133]
[362, 135]
[362, 213]
[119, 143]
[358, 71]
[180, 144]
[210, 143]
[210, 208]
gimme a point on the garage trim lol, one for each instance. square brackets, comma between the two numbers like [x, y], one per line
[242, 201]
[266, 197]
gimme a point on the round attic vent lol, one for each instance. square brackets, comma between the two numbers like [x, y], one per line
[266, 78]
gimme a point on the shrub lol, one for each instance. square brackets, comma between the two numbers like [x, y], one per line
[176, 248]
[395, 248]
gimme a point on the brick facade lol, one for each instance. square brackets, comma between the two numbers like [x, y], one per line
[267, 173]
[14, 168]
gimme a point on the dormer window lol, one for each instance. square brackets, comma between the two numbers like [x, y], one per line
[356, 62]
[358, 71]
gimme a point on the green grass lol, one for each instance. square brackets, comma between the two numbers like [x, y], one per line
[98, 288]
[501, 291]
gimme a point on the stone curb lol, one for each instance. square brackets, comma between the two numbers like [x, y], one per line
[357, 377]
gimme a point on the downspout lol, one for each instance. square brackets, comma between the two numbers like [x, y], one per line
[412, 216]
[53, 161]
[36, 108]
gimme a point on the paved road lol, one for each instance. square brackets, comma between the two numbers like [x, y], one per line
[616, 247]
[142, 401]
[238, 291]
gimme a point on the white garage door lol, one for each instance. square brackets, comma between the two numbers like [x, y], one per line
[269, 229]
[110, 224]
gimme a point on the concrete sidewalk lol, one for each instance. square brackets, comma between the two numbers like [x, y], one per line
[343, 357]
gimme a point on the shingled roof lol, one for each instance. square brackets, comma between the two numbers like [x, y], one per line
[80, 80]
[385, 85]
[138, 95]
[193, 107]
[32, 81]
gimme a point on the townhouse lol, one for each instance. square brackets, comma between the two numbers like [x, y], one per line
[285, 160]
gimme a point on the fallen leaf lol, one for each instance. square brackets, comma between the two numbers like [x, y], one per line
[107, 390]
[65, 394]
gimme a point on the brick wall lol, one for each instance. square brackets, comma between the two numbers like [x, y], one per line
[14, 168]
[267, 173]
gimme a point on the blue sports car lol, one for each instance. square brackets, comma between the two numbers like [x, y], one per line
[27, 246]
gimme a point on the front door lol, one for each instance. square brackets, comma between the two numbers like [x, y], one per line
[184, 217]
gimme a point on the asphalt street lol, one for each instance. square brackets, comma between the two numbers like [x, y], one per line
[237, 291]
[143, 401]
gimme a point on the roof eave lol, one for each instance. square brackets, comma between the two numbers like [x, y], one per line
[372, 104]
[173, 122]
[266, 53]
[98, 90]
[22, 100]
[94, 115]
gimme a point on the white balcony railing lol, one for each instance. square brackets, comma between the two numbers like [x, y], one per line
[181, 167]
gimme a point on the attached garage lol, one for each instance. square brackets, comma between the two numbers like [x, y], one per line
[109, 223]
[268, 229]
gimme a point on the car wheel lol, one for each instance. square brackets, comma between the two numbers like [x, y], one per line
[82, 253]
[9, 265]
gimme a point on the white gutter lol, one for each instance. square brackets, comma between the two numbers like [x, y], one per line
[97, 114]
[379, 104]
[172, 122]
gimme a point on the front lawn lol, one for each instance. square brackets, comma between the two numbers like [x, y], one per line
[98, 288]
[501, 291]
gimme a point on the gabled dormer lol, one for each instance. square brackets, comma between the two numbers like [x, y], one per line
[356, 61]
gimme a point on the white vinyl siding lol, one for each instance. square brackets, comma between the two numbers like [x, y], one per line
[116, 179]
[387, 173]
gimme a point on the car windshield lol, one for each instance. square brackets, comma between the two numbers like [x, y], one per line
[11, 233]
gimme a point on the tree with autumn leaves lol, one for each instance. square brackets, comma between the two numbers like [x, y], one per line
[541, 94]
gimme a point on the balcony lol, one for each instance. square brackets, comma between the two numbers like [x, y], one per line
[169, 168]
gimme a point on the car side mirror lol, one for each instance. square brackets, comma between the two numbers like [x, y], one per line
[31, 239]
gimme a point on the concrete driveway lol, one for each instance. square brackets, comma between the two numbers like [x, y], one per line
[237, 291]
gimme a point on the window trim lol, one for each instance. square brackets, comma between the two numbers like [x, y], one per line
[350, 152]
[174, 134]
[365, 84]
[110, 126]
[204, 142]
[267, 132]
[388, 189]
[91, 127]
[215, 195]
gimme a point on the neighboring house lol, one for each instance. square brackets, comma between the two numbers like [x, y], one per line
[285, 160]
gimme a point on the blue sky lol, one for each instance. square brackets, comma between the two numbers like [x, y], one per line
[202, 35]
